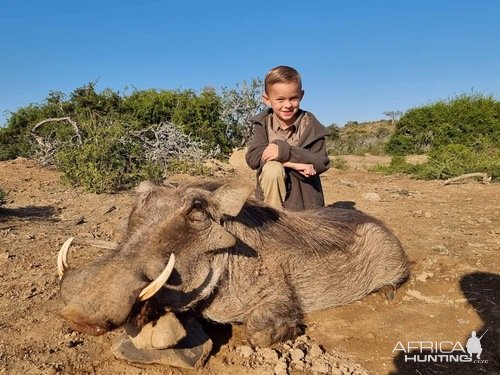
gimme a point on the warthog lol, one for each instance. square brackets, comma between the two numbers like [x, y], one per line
[236, 260]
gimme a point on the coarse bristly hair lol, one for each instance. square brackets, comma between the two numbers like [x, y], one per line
[282, 74]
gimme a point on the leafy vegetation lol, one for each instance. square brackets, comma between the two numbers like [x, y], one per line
[469, 120]
[359, 138]
[106, 141]
[449, 161]
[460, 136]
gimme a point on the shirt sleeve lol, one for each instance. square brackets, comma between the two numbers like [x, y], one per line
[314, 154]
[256, 147]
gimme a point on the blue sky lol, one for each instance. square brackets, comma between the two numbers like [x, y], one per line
[357, 58]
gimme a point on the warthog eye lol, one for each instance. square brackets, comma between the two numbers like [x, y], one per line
[198, 204]
[198, 208]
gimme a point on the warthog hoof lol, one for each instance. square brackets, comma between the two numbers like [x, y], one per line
[388, 291]
[190, 352]
[275, 334]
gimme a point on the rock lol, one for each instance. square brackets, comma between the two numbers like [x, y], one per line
[297, 355]
[78, 220]
[281, 368]
[320, 366]
[191, 352]
[346, 183]
[268, 354]
[161, 334]
[374, 197]
[424, 276]
[245, 351]
[315, 351]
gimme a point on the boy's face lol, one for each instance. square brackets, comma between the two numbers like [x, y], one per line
[284, 99]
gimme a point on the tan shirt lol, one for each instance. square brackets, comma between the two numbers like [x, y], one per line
[290, 135]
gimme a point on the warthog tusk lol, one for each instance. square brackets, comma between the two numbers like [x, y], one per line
[62, 257]
[154, 286]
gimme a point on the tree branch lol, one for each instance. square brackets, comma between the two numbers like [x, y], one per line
[56, 119]
[484, 176]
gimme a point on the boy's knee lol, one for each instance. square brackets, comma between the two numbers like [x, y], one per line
[273, 169]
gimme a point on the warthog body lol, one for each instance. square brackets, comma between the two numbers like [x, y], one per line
[237, 260]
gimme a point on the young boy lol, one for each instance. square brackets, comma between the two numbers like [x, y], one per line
[288, 147]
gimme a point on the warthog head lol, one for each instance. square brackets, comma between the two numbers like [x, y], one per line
[165, 223]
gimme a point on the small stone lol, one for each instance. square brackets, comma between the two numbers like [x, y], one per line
[268, 354]
[374, 197]
[321, 367]
[73, 343]
[245, 351]
[79, 220]
[110, 209]
[424, 276]
[370, 336]
[281, 368]
[346, 183]
[160, 334]
[315, 350]
[296, 355]
[427, 215]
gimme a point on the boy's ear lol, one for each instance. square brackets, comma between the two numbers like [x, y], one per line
[266, 100]
[301, 94]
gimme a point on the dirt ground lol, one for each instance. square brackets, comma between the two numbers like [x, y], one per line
[451, 234]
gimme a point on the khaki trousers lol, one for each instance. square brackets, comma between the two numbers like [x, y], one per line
[272, 183]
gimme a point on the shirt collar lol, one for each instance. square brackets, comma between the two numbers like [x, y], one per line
[293, 128]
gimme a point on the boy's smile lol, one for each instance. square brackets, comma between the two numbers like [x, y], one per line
[284, 99]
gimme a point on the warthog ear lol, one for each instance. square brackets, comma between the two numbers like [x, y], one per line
[232, 196]
[144, 187]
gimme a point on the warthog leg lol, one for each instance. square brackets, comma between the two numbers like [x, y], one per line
[275, 319]
[388, 291]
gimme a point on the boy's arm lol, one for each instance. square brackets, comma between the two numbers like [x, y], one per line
[256, 147]
[315, 155]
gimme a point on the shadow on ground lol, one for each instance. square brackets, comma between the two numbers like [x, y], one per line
[482, 290]
[28, 212]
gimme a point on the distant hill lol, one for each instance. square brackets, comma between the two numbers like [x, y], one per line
[360, 138]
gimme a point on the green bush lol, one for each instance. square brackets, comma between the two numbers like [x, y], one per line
[359, 139]
[103, 162]
[339, 163]
[468, 120]
[197, 115]
[450, 161]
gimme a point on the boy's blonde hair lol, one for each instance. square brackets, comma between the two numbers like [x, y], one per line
[282, 74]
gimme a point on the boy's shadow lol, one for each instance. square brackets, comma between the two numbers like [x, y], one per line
[482, 290]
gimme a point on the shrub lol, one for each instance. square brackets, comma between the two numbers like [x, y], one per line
[114, 156]
[238, 106]
[463, 120]
[450, 161]
[359, 139]
[339, 163]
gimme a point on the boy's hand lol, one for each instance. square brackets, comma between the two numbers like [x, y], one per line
[270, 152]
[306, 170]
